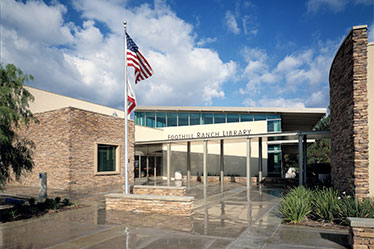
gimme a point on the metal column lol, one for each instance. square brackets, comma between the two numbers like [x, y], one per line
[140, 166]
[259, 159]
[222, 163]
[168, 162]
[304, 158]
[188, 164]
[147, 169]
[205, 160]
[248, 162]
[155, 169]
[301, 156]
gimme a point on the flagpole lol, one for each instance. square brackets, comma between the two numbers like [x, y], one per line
[126, 118]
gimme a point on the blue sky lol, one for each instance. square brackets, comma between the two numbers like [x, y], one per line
[213, 52]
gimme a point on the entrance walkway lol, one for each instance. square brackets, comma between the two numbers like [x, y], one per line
[222, 220]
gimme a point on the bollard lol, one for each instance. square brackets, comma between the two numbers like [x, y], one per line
[43, 186]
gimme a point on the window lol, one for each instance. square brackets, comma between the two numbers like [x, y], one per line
[232, 118]
[172, 119]
[194, 118]
[107, 159]
[151, 119]
[161, 119]
[246, 117]
[274, 126]
[207, 118]
[274, 116]
[182, 119]
[140, 118]
[259, 117]
[219, 118]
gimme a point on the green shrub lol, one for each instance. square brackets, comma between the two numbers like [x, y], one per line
[66, 202]
[325, 204]
[349, 207]
[57, 200]
[296, 204]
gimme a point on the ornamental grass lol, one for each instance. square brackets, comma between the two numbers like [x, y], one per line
[323, 204]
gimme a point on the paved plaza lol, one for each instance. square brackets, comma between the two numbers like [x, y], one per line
[232, 218]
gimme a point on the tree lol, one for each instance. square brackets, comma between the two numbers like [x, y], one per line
[319, 152]
[15, 151]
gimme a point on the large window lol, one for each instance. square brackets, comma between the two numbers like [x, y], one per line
[172, 119]
[151, 119]
[274, 126]
[107, 158]
[194, 118]
[207, 118]
[161, 119]
[246, 117]
[232, 118]
[140, 118]
[182, 119]
[219, 118]
[274, 160]
[259, 117]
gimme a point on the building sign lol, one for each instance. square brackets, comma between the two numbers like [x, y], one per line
[210, 134]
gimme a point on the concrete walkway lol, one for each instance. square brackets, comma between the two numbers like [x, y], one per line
[235, 218]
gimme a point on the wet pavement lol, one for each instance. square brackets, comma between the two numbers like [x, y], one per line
[232, 218]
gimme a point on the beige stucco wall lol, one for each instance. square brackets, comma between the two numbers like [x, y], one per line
[143, 133]
[48, 101]
[371, 115]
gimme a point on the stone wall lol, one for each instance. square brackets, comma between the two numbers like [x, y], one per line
[349, 115]
[361, 233]
[65, 142]
[156, 204]
[159, 190]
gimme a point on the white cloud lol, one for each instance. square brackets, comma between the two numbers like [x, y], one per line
[274, 102]
[281, 102]
[249, 102]
[335, 5]
[231, 23]
[250, 26]
[89, 64]
[205, 41]
[36, 21]
[305, 71]
[319, 98]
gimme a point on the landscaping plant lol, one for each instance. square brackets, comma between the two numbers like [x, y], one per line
[350, 207]
[296, 204]
[325, 204]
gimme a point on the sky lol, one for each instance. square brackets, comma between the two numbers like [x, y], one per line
[203, 53]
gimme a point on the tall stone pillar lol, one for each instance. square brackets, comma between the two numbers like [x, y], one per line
[349, 115]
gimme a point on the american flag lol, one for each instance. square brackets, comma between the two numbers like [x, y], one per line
[135, 59]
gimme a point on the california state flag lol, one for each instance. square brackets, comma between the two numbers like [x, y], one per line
[131, 100]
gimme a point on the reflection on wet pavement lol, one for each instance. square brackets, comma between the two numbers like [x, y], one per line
[234, 218]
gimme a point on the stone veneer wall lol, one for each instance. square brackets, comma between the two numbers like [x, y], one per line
[159, 190]
[154, 204]
[349, 115]
[65, 141]
[361, 233]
